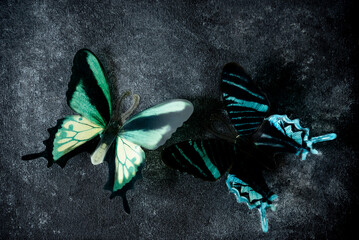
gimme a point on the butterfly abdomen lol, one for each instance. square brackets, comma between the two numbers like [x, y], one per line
[107, 138]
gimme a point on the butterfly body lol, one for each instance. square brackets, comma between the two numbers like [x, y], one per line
[107, 138]
[104, 130]
[258, 139]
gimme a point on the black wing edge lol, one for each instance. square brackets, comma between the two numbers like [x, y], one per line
[80, 70]
[89, 147]
[110, 159]
[233, 67]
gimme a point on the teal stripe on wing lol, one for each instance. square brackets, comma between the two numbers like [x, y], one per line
[202, 152]
[188, 160]
[245, 103]
[244, 88]
[205, 159]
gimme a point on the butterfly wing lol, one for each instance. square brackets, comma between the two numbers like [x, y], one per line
[125, 162]
[246, 104]
[281, 134]
[71, 135]
[205, 159]
[128, 158]
[246, 181]
[119, 160]
[210, 159]
[152, 127]
[149, 129]
[88, 93]
[255, 194]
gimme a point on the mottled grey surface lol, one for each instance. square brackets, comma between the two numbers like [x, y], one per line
[303, 54]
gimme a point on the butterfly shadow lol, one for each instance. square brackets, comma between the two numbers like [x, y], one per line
[279, 80]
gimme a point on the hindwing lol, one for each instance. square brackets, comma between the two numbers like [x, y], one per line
[70, 136]
[74, 131]
[129, 157]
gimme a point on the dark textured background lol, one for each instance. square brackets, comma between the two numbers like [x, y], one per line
[303, 55]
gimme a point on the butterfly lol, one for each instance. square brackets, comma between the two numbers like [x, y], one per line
[256, 139]
[101, 128]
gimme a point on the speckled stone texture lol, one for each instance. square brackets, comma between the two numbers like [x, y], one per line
[302, 53]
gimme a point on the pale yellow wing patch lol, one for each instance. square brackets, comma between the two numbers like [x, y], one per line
[75, 131]
[129, 157]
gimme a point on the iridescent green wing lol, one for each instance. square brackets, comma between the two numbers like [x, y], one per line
[70, 136]
[89, 92]
[74, 132]
[125, 160]
[151, 127]
[254, 198]
[89, 95]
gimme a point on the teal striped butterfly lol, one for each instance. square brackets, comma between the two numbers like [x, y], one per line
[106, 132]
[251, 147]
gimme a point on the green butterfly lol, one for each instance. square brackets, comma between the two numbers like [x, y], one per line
[105, 132]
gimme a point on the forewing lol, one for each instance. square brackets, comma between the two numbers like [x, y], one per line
[205, 159]
[245, 103]
[70, 136]
[88, 93]
[154, 126]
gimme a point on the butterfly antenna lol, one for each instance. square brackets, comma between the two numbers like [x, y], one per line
[119, 102]
[136, 101]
